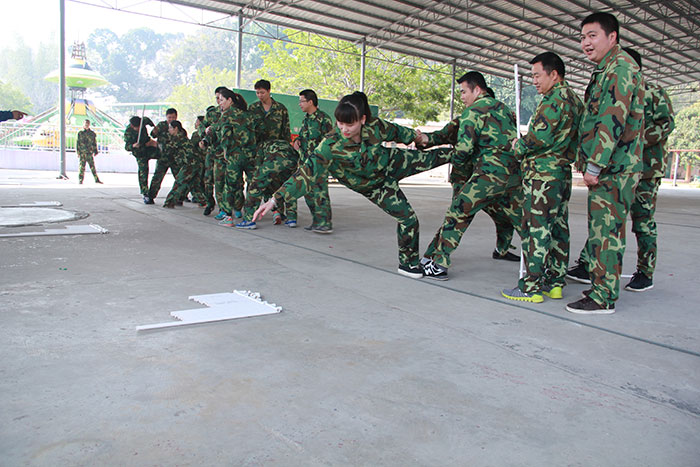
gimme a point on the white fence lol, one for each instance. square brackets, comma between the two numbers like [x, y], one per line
[45, 136]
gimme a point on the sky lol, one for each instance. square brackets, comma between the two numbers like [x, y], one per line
[37, 21]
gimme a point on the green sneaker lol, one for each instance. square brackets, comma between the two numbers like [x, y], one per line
[519, 295]
[553, 292]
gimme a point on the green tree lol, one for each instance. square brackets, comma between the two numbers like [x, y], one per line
[25, 69]
[12, 98]
[193, 99]
[686, 135]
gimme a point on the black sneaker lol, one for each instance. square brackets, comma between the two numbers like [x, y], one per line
[208, 210]
[507, 256]
[434, 271]
[324, 229]
[414, 272]
[148, 200]
[639, 283]
[579, 273]
[587, 306]
[310, 227]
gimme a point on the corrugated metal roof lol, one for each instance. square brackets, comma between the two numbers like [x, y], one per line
[491, 35]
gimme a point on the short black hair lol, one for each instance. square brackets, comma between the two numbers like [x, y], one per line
[87, 120]
[635, 55]
[135, 121]
[171, 111]
[262, 84]
[310, 95]
[473, 78]
[550, 61]
[352, 107]
[177, 124]
[200, 118]
[218, 90]
[607, 22]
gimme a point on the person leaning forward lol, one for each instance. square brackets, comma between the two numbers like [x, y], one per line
[547, 151]
[611, 150]
[143, 149]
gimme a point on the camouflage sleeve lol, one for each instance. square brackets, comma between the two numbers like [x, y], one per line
[310, 173]
[387, 131]
[540, 133]
[286, 127]
[604, 123]
[447, 135]
[129, 140]
[326, 125]
[663, 118]
[470, 125]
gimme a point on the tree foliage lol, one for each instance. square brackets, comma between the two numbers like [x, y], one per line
[686, 135]
[12, 98]
[26, 69]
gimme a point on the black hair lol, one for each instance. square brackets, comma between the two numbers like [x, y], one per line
[87, 120]
[218, 90]
[473, 78]
[200, 118]
[607, 22]
[178, 125]
[170, 111]
[352, 108]
[635, 55]
[135, 121]
[550, 61]
[490, 92]
[310, 95]
[262, 84]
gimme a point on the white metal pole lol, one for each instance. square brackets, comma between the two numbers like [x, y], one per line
[517, 126]
[362, 65]
[62, 87]
[452, 90]
[675, 168]
[239, 53]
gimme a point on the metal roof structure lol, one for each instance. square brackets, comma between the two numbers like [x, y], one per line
[490, 35]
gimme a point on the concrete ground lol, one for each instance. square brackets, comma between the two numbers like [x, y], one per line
[362, 367]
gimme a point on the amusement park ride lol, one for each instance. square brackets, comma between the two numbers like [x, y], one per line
[42, 131]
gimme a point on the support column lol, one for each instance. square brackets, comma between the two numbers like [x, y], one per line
[239, 52]
[452, 90]
[362, 65]
[62, 87]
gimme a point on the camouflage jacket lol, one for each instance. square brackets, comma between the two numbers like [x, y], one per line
[210, 119]
[131, 136]
[160, 132]
[86, 143]
[271, 125]
[486, 130]
[198, 154]
[235, 133]
[178, 148]
[611, 125]
[359, 166]
[551, 142]
[658, 125]
[313, 129]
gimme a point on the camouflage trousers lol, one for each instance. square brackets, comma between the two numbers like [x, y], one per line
[162, 165]
[239, 170]
[184, 181]
[480, 191]
[545, 228]
[504, 229]
[643, 223]
[142, 159]
[89, 160]
[608, 204]
[209, 179]
[279, 163]
[197, 184]
[390, 199]
[319, 203]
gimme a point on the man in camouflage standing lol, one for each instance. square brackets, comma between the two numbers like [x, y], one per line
[547, 151]
[486, 129]
[611, 149]
[143, 149]
[316, 125]
[86, 147]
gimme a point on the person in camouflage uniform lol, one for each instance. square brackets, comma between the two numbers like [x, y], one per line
[316, 125]
[355, 156]
[198, 160]
[86, 147]
[460, 175]
[486, 129]
[547, 151]
[611, 148]
[658, 125]
[166, 160]
[208, 143]
[271, 123]
[143, 149]
[179, 148]
[236, 141]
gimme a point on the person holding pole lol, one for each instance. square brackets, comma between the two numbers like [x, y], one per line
[547, 151]
[143, 148]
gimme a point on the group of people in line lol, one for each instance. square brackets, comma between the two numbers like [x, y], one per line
[243, 159]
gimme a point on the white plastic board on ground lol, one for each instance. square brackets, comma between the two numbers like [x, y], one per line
[222, 307]
[68, 230]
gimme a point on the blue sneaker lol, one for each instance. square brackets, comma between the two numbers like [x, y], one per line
[249, 225]
[220, 216]
[290, 223]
